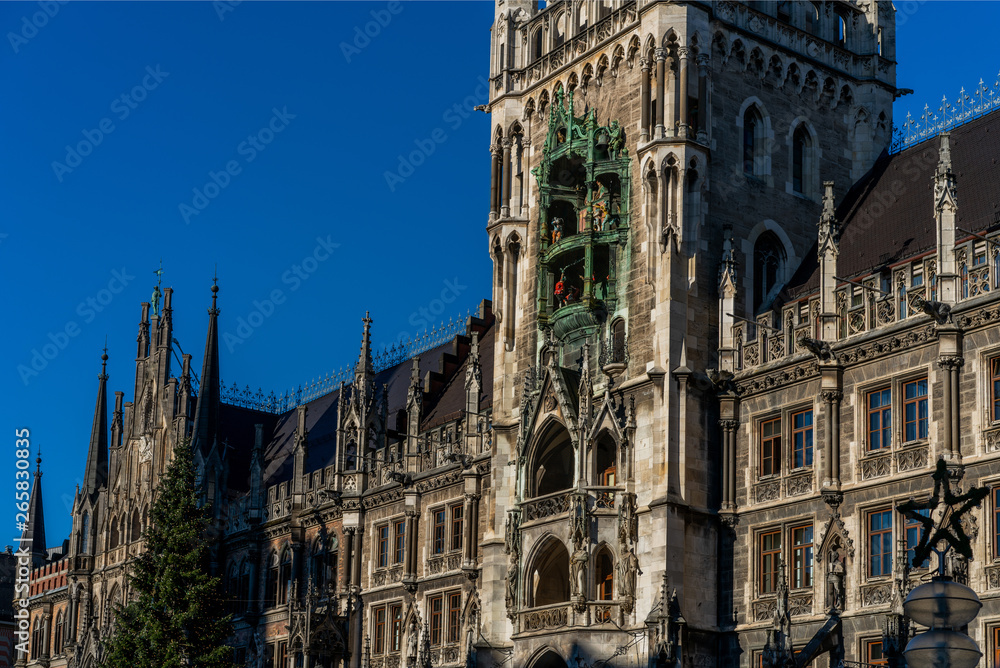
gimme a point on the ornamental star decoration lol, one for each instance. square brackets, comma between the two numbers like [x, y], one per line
[944, 522]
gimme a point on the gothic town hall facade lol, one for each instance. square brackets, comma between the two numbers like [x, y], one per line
[731, 328]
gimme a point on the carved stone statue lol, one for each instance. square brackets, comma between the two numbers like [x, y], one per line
[257, 656]
[628, 569]
[578, 564]
[835, 579]
[627, 520]
[578, 520]
[512, 582]
[412, 640]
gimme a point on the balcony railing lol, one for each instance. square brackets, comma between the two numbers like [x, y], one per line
[545, 617]
[545, 506]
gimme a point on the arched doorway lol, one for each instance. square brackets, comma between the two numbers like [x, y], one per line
[549, 659]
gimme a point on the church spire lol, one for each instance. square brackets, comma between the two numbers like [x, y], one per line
[95, 474]
[206, 416]
[33, 535]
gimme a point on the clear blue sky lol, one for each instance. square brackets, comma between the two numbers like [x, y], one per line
[335, 120]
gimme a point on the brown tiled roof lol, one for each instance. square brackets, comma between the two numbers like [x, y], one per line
[888, 216]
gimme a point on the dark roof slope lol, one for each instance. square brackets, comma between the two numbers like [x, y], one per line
[322, 414]
[888, 216]
[452, 399]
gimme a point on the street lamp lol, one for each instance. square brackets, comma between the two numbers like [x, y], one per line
[942, 605]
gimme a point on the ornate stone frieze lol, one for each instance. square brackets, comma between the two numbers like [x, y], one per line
[766, 382]
[767, 491]
[993, 577]
[912, 458]
[877, 594]
[991, 439]
[383, 498]
[437, 482]
[763, 610]
[800, 604]
[444, 563]
[876, 466]
[800, 484]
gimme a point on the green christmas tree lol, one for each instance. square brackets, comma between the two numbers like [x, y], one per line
[176, 618]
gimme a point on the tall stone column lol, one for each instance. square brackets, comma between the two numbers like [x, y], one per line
[831, 450]
[348, 558]
[661, 91]
[702, 59]
[683, 129]
[644, 100]
[494, 181]
[729, 428]
[471, 514]
[358, 554]
[46, 634]
[410, 561]
[505, 167]
[951, 442]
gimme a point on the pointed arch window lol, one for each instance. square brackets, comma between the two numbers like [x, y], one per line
[58, 634]
[351, 456]
[753, 142]
[233, 587]
[319, 566]
[84, 539]
[243, 591]
[37, 643]
[802, 161]
[605, 461]
[768, 265]
[285, 582]
[812, 18]
[604, 569]
[113, 536]
[136, 529]
[536, 45]
[271, 588]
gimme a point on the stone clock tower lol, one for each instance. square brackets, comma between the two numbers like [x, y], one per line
[649, 159]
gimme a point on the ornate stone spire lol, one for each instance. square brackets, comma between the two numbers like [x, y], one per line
[829, 226]
[365, 358]
[828, 250]
[415, 393]
[95, 475]
[474, 370]
[206, 416]
[944, 178]
[946, 221]
[33, 534]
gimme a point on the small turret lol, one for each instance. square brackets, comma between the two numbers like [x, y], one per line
[95, 474]
[206, 416]
[33, 535]
[828, 249]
